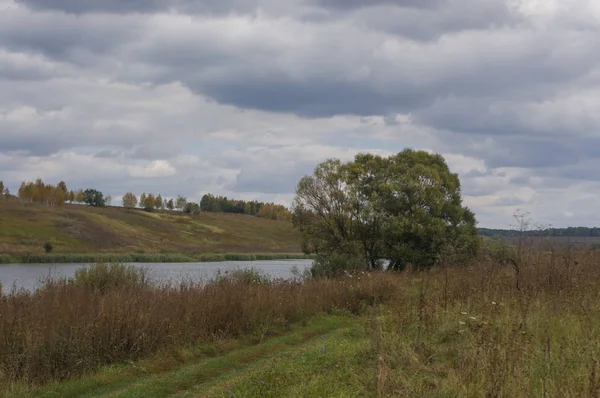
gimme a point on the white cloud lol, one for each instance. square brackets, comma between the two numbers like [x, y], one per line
[157, 168]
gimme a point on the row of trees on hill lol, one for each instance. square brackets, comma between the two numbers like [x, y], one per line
[46, 194]
[208, 203]
[221, 204]
[151, 202]
[59, 194]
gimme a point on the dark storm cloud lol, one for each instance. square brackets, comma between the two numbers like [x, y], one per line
[423, 23]
[81, 6]
[357, 4]
[208, 6]
[162, 150]
[311, 99]
[245, 74]
[26, 142]
[141, 6]
[529, 152]
[275, 183]
[61, 37]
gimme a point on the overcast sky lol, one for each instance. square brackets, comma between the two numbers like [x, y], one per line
[243, 97]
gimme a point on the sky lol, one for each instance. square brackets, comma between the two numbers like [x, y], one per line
[244, 97]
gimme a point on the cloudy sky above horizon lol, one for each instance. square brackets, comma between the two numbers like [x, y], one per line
[243, 97]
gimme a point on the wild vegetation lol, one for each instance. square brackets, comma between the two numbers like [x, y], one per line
[468, 316]
[94, 234]
[517, 322]
[110, 314]
[405, 208]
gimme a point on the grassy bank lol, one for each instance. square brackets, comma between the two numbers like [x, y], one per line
[144, 258]
[524, 330]
[111, 315]
[78, 230]
[209, 370]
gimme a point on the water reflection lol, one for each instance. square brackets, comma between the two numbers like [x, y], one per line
[28, 276]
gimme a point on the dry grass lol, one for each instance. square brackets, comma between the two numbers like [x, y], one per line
[110, 315]
[76, 229]
[471, 332]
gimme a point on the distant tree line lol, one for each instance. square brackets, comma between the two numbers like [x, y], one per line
[570, 231]
[46, 194]
[57, 195]
[209, 203]
[151, 202]
[221, 204]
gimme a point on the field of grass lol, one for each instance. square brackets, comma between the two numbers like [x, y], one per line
[289, 365]
[530, 329]
[113, 314]
[86, 234]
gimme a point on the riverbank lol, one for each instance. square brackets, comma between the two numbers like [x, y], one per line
[482, 330]
[146, 258]
[115, 314]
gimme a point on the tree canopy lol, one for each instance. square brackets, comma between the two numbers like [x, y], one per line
[222, 204]
[94, 197]
[405, 208]
[39, 192]
[129, 200]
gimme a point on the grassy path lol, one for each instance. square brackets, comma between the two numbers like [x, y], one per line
[324, 358]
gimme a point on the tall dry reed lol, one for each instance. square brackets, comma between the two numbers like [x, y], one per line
[490, 331]
[109, 315]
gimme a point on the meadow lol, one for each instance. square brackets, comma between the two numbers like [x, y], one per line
[496, 328]
[81, 233]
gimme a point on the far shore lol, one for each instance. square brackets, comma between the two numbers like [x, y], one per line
[145, 258]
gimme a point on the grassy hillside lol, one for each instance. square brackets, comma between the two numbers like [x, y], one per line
[76, 229]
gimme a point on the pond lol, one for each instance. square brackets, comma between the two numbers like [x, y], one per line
[29, 276]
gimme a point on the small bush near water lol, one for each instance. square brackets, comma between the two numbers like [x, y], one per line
[111, 313]
[6, 259]
[105, 277]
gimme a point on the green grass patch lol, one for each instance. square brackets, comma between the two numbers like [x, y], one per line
[210, 367]
[339, 364]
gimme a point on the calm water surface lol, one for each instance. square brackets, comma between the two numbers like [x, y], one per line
[28, 276]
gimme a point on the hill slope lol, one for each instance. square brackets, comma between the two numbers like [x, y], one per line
[24, 228]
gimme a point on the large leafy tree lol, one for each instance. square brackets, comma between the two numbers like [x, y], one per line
[150, 202]
[130, 201]
[180, 202]
[158, 202]
[405, 208]
[94, 197]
